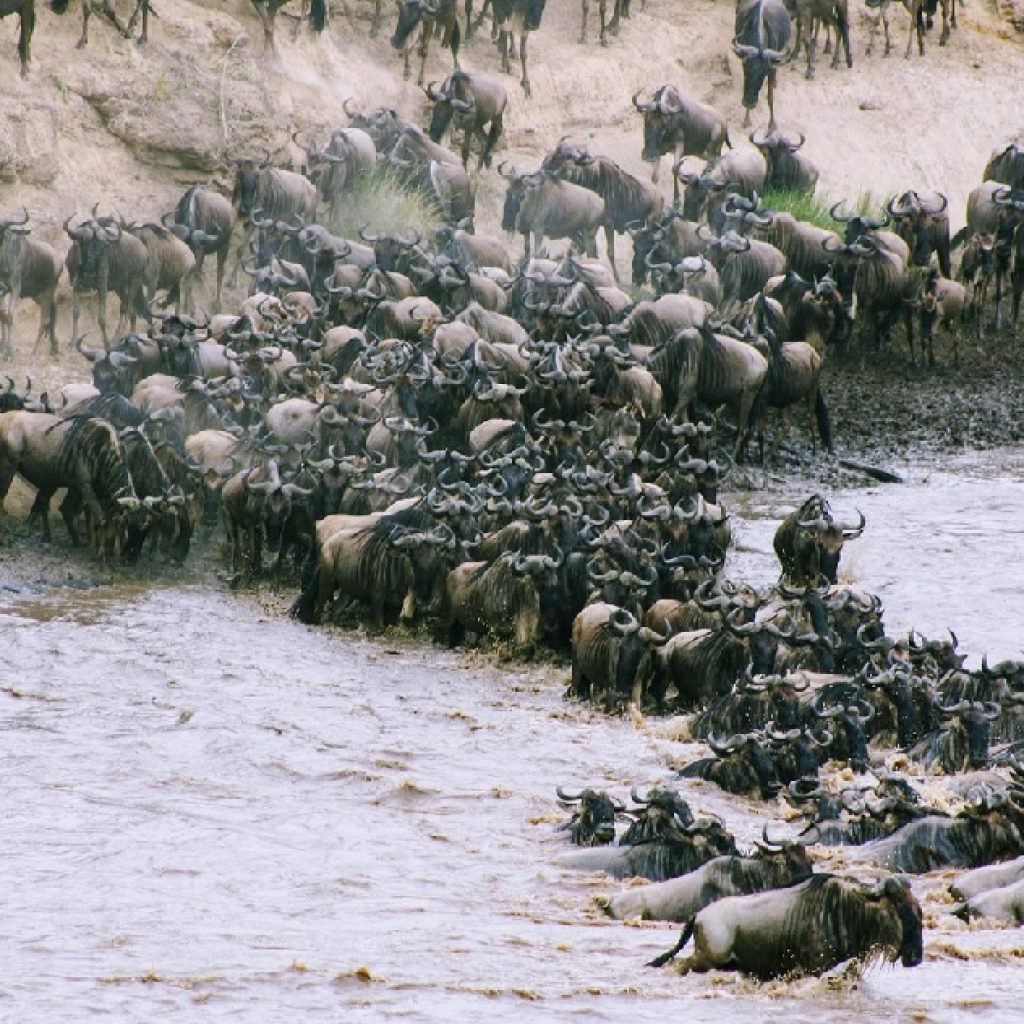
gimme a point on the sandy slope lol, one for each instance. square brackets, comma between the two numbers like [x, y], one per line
[129, 126]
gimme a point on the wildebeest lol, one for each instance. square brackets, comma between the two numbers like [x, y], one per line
[742, 764]
[611, 655]
[742, 170]
[788, 168]
[83, 454]
[984, 879]
[676, 851]
[1006, 166]
[809, 542]
[511, 17]
[942, 301]
[714, 369]
[593, 822]
[1005, 904]
[760, 38]
[104, 257]
[543, 206]
[679, 899]
[108, 10]
[676, 123]
[805, 929]
[267, 11]
[474, 104]
[278, 194]
[922, 221]
[962, 743]
[967, 841]
[835, 16]
[12, 257]
[429, 15]
[916, 10]
[204, 220]
[627, 200]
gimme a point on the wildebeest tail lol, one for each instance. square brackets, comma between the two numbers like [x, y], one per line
[59, 6]
[318, 15]
[960, 237]
[823, 420]
[684, 938]
[456, 42]
[728, 141]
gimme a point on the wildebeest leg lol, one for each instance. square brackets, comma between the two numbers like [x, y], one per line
[424, 48]
[583, 20]
[70, 509]
[952, 13]
[524, 35]
[944, 36]
[7, 326]
[41, 511]
[609, 242]
[771, 102]
[811, 44]
[885, 25]
[491, 141]
[83, 40]
[28, 25]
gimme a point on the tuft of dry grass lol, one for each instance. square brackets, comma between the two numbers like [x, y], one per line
[384, 203]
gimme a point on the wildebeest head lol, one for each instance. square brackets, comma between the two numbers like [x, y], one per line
[785, 862]
[660, 121]
[969, 723]
[593, 823]
[896, 892]
[661, 810]
[92, 240]
[516, 191]
[758, 62]
[747, 750]
[564, 156]
[247, 181]
[915, 218]
[453, 99]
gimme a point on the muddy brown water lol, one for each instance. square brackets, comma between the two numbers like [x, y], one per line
[211, 812]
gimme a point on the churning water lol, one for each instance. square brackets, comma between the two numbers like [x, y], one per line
[211, 813]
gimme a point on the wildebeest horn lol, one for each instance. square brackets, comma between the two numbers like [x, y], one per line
[839, 217]
[634, 794]
[565, 797]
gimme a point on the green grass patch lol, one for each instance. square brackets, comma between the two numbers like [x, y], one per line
[815, 209]
[384, 203]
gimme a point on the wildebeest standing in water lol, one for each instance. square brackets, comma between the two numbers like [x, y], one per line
[805, 929]
[762, 32]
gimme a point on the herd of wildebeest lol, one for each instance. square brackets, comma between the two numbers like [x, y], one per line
[434, 431]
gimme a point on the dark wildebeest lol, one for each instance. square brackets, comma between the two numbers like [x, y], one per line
[772, 866]
[804, 929]
[593, 823]
[809, 543]
[761, 35]
[627, 200]
[475, 105]
[429, 14]
[107, 9]
[676, 123]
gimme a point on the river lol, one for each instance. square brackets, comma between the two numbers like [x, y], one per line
[214, 813]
